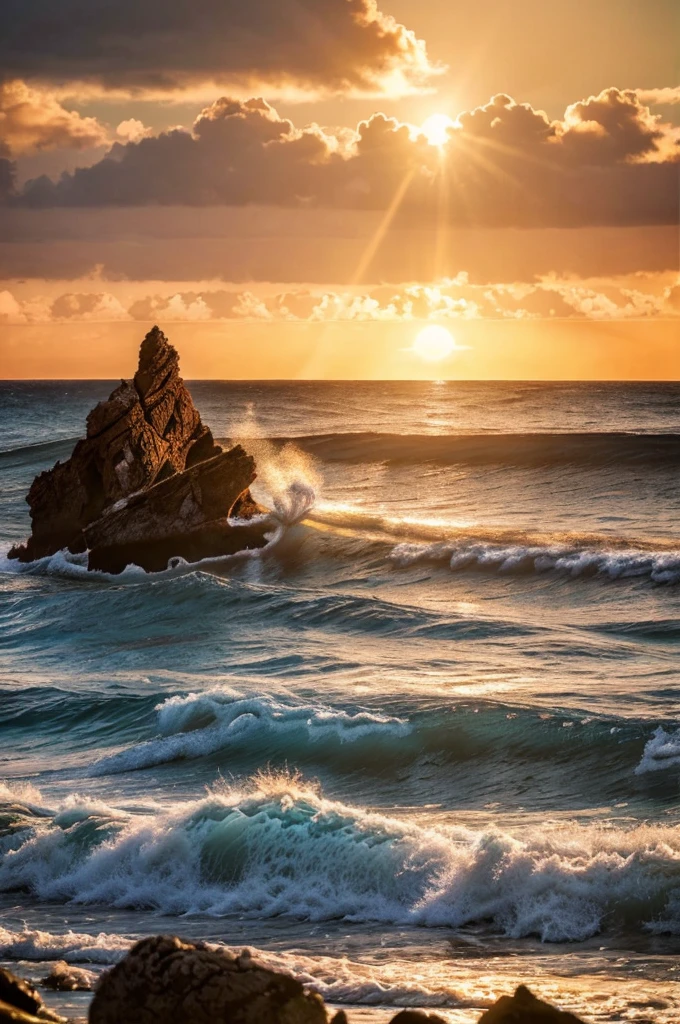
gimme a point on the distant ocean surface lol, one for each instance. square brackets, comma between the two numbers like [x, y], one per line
[424, 747]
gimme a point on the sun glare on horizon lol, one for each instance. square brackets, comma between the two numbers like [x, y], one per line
[436, 129]
[434, 343]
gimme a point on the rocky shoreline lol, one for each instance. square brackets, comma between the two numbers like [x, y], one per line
[166, 980]
[148, 483]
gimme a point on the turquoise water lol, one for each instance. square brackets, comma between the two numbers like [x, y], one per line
[426, 745]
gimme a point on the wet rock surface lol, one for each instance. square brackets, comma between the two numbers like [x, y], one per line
[65, 977]
[21, 1003]
[525, 1008]
[19, 992]
[164, 980]
[148, 482]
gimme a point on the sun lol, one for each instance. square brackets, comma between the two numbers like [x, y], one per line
[436, 129]
[434, 343]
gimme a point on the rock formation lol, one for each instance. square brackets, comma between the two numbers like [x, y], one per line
[20, 1003]
[163, 980]
[148, 482]
[65, 977]
[525, 1008]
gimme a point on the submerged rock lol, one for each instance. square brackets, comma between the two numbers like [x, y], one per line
[65, 977]
[417, 1017]
[525, 1008]
[164, 980]
[148, 482]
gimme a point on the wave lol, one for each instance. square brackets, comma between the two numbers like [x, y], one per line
[470, 743]
[571, 560]
[29, 453]
[278, 847]
[597, 449]
[201, 724]
[463, 545]
[74, 947]
[661, 752]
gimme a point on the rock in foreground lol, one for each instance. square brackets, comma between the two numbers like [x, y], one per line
[163, 980]
[148, 482]
[20, 1002]
[525, 1008]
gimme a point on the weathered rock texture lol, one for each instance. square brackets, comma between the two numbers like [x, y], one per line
[148, 482]
[417, 1017]
[18, 992]
[20, 1003]
[65, 977]
[184, 515]
[525, 1008]
[164, 980]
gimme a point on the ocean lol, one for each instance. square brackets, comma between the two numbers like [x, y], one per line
[421, 748]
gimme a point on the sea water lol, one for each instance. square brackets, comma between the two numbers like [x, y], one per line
[424, 746]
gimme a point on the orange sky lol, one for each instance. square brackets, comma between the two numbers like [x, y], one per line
[315, 231]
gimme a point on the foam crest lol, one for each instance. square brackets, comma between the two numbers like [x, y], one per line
[203, 723]
[75, 947]
[661, 751]
[613, 563]
[287, 477]
[279, 847]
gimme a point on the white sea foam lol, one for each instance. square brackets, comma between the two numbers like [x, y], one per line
[281, 848]
[22, 793]
[615, 563]
[337, 979]
[661, 751]
[74, 947]
[203, 723]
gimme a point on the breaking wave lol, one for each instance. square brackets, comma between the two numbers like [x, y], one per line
[662, 751]
[279, 847]
[569, 559]
[467, 545]
[202, 724]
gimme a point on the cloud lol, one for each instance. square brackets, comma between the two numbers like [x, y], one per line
[450, 300]
[132, 130]
[609, 161]
[88, 306]
[33, 119]
[615, 126]
[7, 175]
[323, 45]
[177, 307]
[658, 97]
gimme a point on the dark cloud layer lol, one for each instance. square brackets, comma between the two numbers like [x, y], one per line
[608, 162]
[7, 173]
[338, 45]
